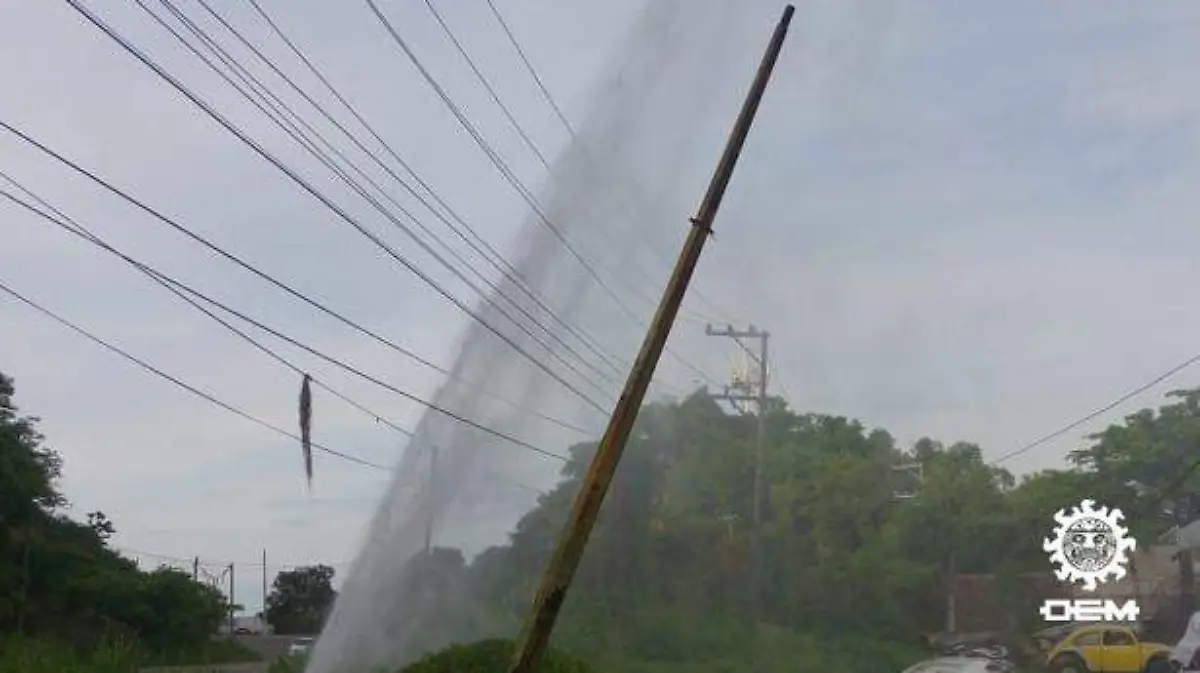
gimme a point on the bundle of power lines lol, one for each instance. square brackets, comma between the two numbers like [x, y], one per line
[565, 353]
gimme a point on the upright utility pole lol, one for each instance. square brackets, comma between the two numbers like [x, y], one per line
[232, 602]
[556, 580]
[1187, 575]
[755, 391]
[433, 494]
[264, 585]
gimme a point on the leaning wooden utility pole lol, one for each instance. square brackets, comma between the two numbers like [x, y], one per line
[556, 579]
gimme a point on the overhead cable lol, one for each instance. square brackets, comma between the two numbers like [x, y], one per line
[289, 289]
[267, 98]
[176, 381]
[321, 197]
[1124, 397]
[297, 343]
[494, 258]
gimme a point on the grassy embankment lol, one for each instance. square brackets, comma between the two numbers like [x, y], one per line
[28, 655]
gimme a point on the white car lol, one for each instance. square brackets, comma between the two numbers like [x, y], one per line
[300, 646]
[961, 665]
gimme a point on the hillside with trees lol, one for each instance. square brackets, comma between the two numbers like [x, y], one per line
[858, 554]
[862, 538]
[62, 586]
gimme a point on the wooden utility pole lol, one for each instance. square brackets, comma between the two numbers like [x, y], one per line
[556, 579]
[740, 392]
[952, 595]
[264, 586]
[1187, 574]
[433, 493]
[232, 602]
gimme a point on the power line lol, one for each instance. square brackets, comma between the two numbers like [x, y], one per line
[512, 39]
[189, 233]
[529, 67]
[508, 115]
[1101, 411]
[294, 342]
[488, 253]
[271, 100]
[321, 197]
[179, 383]
[498, 162]
[525, 137]
[74, 227]
[204, 563]
[296, 134]
[514, 181]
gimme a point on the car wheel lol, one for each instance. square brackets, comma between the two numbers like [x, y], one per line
[1068, 664]
[1159, 665]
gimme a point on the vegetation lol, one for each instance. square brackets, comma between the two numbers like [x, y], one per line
[64, 591]
[855, 577]
[488, 656]
[300, 599]
[46, 655]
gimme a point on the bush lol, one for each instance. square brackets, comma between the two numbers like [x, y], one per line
[114, 655]
[490, 656]
[29, 655]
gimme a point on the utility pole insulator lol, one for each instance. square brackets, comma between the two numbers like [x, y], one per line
[232, 603]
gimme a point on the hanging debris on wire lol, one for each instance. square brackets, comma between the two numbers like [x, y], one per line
[306, 426]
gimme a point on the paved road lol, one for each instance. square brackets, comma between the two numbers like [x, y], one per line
[270, 648]
[257, 667]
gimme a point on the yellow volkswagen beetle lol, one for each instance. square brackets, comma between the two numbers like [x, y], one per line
[1108, 648]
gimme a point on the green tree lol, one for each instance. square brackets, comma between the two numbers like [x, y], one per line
[58, 577]
[300, 599]
[1147, 458]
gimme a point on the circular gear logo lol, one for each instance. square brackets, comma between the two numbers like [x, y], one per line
[1089, 545]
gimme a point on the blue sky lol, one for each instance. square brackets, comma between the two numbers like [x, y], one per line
[971, 222]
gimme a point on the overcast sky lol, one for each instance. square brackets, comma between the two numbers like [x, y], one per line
[969, 222]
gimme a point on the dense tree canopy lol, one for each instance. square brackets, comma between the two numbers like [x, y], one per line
[858, 553]
[300, 599]
[665, 574]
[59, 577]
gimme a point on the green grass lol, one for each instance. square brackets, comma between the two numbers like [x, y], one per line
[289, 664]
[30, 655]
[26, 655]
